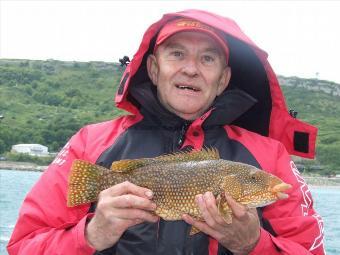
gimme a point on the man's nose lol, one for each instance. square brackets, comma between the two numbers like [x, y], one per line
[190, 67]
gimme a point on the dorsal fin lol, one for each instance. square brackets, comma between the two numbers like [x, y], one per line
[204, 154]
[127, 165]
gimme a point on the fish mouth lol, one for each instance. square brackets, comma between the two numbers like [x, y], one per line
[187, 87]
[276, 191]
[279, 188]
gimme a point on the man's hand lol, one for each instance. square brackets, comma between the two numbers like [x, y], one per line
[119, 208]
[240, 237]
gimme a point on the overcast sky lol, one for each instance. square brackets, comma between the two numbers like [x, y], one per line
[302, 38]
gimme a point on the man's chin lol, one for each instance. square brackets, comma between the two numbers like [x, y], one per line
[186, 113]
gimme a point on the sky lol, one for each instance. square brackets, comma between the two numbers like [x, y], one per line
[302, 38]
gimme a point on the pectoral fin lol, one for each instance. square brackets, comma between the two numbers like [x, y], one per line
[232, 186]
[224, 209]
[194, 231]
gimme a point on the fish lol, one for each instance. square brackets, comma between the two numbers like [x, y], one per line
[175, 180]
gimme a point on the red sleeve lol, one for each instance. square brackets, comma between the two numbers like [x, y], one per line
[45, 224]
[298, 227]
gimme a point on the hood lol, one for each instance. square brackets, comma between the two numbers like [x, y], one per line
[251, 73]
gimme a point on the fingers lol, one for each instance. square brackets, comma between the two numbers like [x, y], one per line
[132, 201]
[134, 214]
[213, 223]
[239, 211]
[118, 208]
[129, 188]
[202, 226]
[241, 235]
[127, 195]
[126, 201]
[208, 208]
[210, 213]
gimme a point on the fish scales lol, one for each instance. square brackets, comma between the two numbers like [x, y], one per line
[174, 185]
[176, 180]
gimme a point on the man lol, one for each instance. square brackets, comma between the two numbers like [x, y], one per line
[196, 81]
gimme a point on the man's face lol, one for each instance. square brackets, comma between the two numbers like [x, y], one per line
[189, 70]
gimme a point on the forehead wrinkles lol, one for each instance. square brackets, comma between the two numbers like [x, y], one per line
[192, 40]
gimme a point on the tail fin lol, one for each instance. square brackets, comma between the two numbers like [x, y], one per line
[84, 183]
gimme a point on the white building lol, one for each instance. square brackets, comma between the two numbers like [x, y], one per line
[31, 149]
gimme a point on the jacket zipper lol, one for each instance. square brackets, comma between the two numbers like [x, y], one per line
[181, 137]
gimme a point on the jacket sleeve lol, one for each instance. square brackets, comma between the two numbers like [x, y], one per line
[298, 228]
[45, 224]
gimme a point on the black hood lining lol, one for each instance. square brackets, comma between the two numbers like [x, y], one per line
[249, 75]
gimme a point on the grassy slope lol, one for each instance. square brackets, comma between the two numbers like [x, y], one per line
[47, 101]
[323, 111]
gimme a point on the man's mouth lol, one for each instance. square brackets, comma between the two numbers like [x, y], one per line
[184, 87]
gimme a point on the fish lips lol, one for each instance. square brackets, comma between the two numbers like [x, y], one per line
[279, 188]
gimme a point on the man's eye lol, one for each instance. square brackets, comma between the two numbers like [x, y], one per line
[208, 59]
[177, 54]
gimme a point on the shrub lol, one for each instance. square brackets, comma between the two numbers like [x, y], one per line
[24, 157]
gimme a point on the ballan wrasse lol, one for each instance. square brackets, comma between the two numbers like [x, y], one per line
[176, 179]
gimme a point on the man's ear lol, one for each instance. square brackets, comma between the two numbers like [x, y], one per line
[224, 80]
[152, 67]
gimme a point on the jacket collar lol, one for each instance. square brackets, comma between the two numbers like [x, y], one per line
[226, 108]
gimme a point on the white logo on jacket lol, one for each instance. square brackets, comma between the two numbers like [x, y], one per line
[319, 240]
[307, 202]
[61, 157]
[307, 197]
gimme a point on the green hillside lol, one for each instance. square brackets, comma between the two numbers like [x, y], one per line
[318, 103]
[47, 101]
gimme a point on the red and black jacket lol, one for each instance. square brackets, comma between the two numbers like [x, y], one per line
[248, 123]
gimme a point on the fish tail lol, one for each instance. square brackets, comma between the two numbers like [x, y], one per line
[84, 183]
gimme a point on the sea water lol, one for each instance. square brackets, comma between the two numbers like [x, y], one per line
[14, 186]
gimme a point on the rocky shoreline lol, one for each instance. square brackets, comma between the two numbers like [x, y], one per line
[322, 181]
[21, 166]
